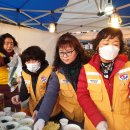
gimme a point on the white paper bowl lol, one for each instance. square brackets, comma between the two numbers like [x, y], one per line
[5, 119]
[19, 115]
[12, 125]
[24, 128]
[72, 127]
[26, 122]
[2, 113]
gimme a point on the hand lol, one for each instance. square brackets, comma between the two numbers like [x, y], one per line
[14, 82]
[34, 115]
[39, 125]
[16, 100]
[102, 125]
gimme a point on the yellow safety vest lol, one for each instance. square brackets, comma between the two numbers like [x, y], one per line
[40, 89]
[117, 115]
[3, 73]
[68, 100]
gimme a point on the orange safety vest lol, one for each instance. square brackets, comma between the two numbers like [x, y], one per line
[3, 73]
[40, 89]
[68, 100]
[117, 115]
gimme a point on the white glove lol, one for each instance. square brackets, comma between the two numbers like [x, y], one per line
[39, 125]
[102, 125]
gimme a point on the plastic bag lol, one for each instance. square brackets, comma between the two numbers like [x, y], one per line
[15, 69]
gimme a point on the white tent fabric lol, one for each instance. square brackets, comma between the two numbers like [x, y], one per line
[82, 16]
[78, 15]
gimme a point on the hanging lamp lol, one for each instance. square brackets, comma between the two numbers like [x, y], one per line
[52, 27]
[115, 20]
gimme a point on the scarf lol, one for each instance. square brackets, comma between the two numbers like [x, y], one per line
[106, 69]
[72, 70]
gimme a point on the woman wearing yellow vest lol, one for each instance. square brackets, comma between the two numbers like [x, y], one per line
[35, 74]
[7, 43]
[104, 84]
[69, 57]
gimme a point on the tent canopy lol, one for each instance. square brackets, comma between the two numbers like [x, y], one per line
[69, 15]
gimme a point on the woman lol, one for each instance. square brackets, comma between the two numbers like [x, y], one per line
[103, 86]
[69, 57]
[7, 44]
[35, 74]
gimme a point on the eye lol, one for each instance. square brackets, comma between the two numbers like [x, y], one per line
[105, 44]
[105, 40]
[116, 44]
[61, 52]
[11, 44]
[68, 52]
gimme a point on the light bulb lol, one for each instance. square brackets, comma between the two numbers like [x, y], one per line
[52, 27]
[115, 20]
[115, 23]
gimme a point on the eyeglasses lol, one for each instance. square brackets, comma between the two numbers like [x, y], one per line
[67, 53]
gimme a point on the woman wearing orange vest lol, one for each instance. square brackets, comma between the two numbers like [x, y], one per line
[104, 84]
[35, 74]
[7, 44]
[69, 57]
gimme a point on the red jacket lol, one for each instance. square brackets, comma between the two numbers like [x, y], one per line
[83, 94]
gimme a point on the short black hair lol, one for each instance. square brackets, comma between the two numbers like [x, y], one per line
[33, 53]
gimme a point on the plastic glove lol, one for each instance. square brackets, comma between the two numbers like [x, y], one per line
[39, 125]
[34, 115]
[16, 100]
[102, 125]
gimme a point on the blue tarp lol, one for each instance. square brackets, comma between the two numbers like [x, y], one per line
[21, 10]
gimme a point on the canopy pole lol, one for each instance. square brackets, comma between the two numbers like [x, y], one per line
[40, 16]
[8, 19]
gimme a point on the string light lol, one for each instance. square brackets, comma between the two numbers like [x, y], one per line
[115, 20]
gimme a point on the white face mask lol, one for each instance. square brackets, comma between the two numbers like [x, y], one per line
[33, 67]
[108, 52]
